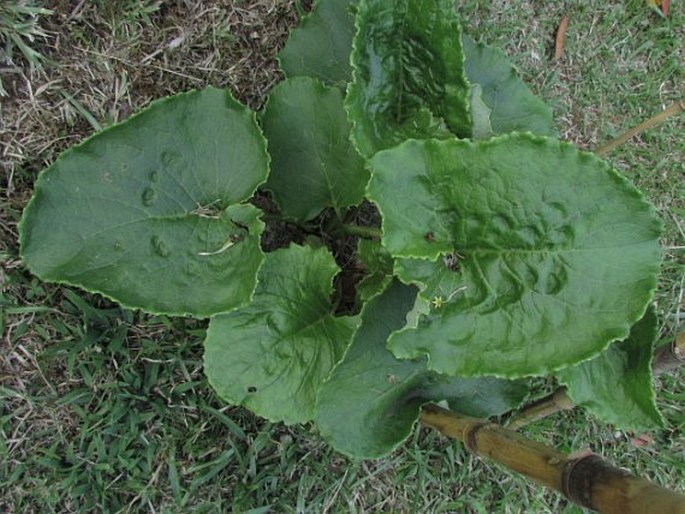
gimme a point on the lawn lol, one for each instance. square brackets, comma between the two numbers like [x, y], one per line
[108, 410]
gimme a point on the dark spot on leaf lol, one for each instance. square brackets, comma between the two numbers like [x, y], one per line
[160, 247]
[170, 158]
[453, 261]
[149, 196]
[251, 389]
[430, 237]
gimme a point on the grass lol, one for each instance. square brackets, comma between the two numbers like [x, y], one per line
[107, 410]
[19, 29]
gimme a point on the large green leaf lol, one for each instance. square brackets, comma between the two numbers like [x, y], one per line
[617, 386]
[371, 401]
[273, 355]
[512, 105]
[320, 47]
[408, 74]
[500, 103]
[314, 164]
[555, 254]
[148, 212]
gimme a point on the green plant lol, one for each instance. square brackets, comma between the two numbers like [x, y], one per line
[19, 28]
[503, 253]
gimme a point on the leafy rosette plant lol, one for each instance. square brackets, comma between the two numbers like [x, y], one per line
[485, 250]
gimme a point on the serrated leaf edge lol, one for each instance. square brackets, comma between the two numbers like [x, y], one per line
[302, 25]
[623, 330]
[355, 75]
[652, 391]
[513, 73]
[352, 319]
[117, 126]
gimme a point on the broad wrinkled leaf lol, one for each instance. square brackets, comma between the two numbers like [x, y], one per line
[314, 165]
[617, 386]
[148, 212]
[273, 355]
[320, 47]
[372, 400]
[555, 254]
[512, 105]
[408, 74]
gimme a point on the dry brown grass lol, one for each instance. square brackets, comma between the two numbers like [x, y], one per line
[106, 61]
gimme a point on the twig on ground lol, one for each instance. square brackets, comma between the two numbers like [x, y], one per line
[561, 38]
[672, 110]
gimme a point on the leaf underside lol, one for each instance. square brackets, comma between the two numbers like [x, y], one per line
[372, 400]
[554, 254]
[481, 114]
[409, 79]
[272, 355]
[148, 212]
[320, 47]
[617, 386]
[512, 106]
[314, 164]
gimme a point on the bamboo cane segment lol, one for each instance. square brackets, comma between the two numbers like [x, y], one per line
[588, 480]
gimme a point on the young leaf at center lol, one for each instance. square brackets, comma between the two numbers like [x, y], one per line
[409, 79]
[314, 164]
[554, 254]
[377, 265]
[273, 355]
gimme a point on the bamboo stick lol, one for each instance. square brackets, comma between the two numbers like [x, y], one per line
[587, 480]
[668, 358]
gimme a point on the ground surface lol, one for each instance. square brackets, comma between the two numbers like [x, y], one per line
[108, 410]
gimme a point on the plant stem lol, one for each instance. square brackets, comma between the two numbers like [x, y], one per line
[303, 226]
[541, 408]
[585, 479]
[666, 359]
[362, 231]
[672, 110]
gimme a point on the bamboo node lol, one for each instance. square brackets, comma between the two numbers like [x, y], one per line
[470, 433]
[581, 475]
